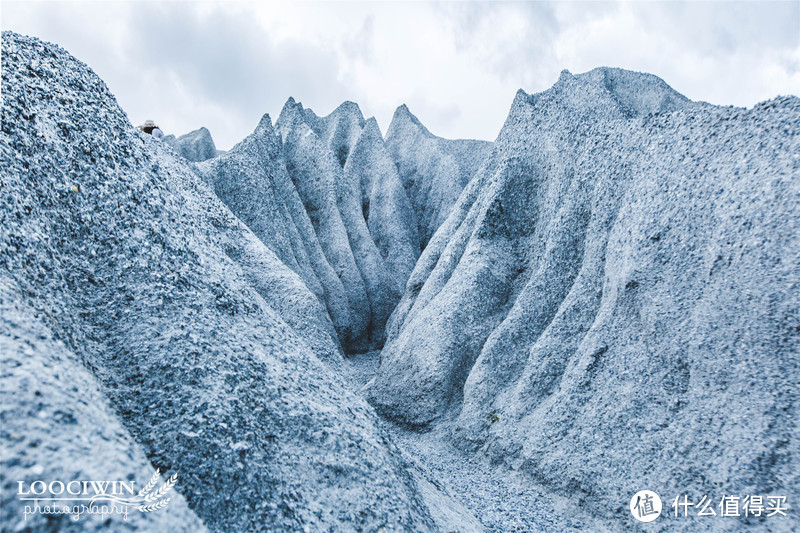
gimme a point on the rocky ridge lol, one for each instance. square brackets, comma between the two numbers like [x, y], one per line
[612, 290]
[433, 170]
[160, 298]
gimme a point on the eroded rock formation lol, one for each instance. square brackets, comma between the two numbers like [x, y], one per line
[603, 300]
[612, 302]
[164, 301]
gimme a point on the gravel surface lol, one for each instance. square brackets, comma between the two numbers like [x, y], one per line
[499, 499]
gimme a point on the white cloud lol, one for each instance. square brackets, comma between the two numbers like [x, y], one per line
[457, 65]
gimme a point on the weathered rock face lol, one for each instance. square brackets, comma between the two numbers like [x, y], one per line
[57, 425]
[195, 146]
[612, 304]
[384, 203]
[315, 174]
[359, 148]
[340, 130]
[609, 304]
[333, 162]
[326, 197]
[433, 170]
[252, 181]
[164, 301]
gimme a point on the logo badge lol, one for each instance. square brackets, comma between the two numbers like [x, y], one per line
[645, 506]
[78, 497]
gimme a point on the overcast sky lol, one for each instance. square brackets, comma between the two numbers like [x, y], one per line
[457, 65]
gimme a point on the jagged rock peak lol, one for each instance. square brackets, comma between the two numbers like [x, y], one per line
[372, 129]
[634, 93]
[340, 129]
[433, 170]
[155, 290]
[404, 118]
[521, 100]
[265, 125]
[348, 108]
[290, 108]
[264, 135]
[292, 114]
[195, 146]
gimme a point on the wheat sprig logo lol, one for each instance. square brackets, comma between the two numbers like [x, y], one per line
[150, 484]
[149, 498]
[154, 506]
[161, 492]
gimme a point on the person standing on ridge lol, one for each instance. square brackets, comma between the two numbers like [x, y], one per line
[150, 127]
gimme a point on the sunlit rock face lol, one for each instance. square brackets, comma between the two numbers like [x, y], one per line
[612, 303]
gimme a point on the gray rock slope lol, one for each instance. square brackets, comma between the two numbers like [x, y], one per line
[433, 170]
[252, 181]
[195, 146]
[604, 300]
[315, 173]
[326, 197]
[163, 308]
[358, 146]
[384, 203]
[612, 303]
[57, 424]
[336, 191]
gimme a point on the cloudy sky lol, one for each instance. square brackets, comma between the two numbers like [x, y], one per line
[457, 65]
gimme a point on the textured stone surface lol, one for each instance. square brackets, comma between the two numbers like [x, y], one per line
[315, 174]
[252, 181]
[101, 236]
[433, 170]
[195, 146]
[613, 304]
[326, 197]
[603, 300]
[332, 189]
[384, 203]
[57, 425]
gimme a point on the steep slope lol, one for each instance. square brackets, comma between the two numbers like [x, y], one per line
[339, 130]
[315, 174]
[342, 220]
[316, 151]
[359, 148]
[384, 204]
[611, 304]
[56, 423]
[252, 181]
[195, 146]
[433, 170]
[162, 295]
